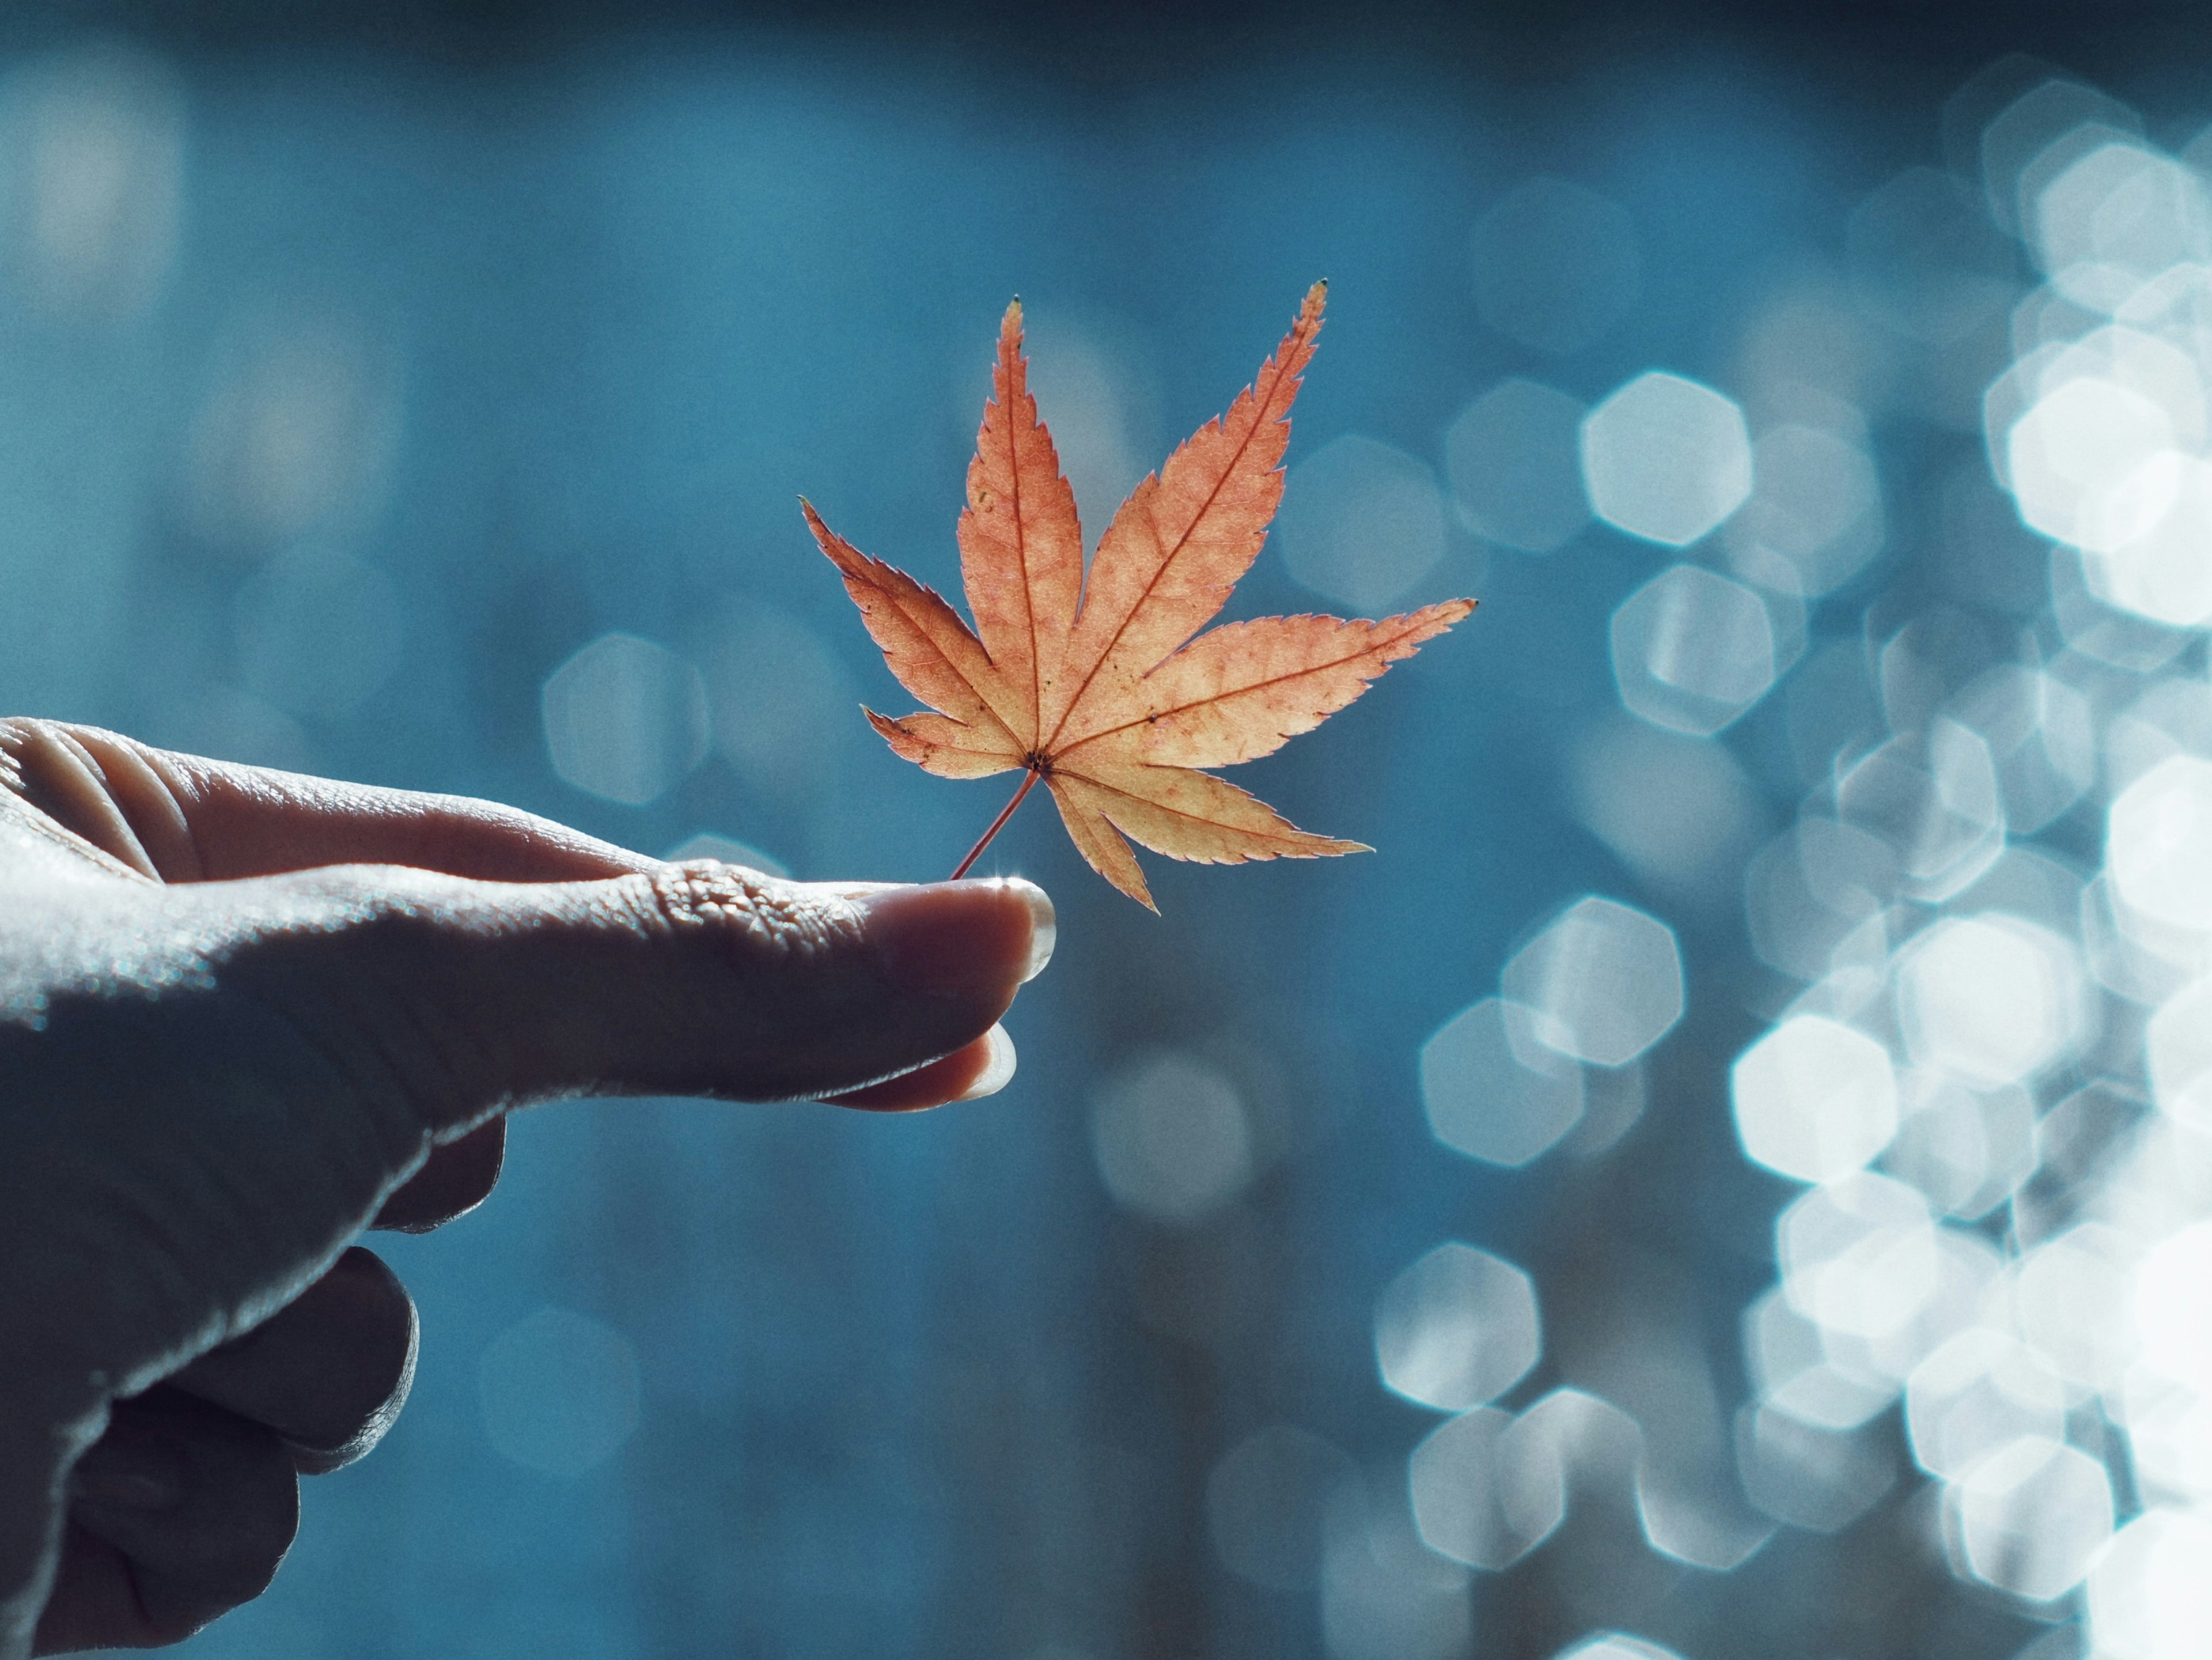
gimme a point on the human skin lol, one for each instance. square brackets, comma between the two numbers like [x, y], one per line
[245, 1015]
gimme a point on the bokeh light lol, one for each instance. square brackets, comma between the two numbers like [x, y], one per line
[1933, 798]
[1361, 522]
[1820, 1479]
[2149, 1596]
[1491, 1098]
[1991, 999]
[1514, 464]
[1172, 1138]
[1602, 983]
[1692, 651]
[1456, 1329]
[1665, 458]
[624, 718]
[2033, 1515]
[1487, 1487]
[1267, 1504]
[2159, 844]
[1814, 1099]
[92, 144]
[559, 1392]
[1859, 1256]
[1556, 265]
[1815, 517]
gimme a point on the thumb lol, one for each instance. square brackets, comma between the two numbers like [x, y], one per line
[698, 979]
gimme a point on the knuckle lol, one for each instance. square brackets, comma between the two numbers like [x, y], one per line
[753, 917]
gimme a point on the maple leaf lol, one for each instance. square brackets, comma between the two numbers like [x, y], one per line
[1091, 681]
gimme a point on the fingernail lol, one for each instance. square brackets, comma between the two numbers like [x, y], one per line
[998, 1071]
[140, 1473]
[936, 939]
[1044, 932]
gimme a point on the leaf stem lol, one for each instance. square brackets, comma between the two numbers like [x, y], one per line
[997, 824]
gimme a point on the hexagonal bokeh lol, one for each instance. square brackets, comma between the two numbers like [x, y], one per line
[2083, 461]
[1692, 651]
[1810, 889]
[2034, 136]
[1556, 265]
[1665, 458]
[1925, 258]
[1977, 1392]
[2117, 217]
[1814, 1099]
[1456, 1329]
[1859, 1256]
[1933, 798]
[1267, 1504]
[2178, 1043]
[625, 719]
[2149, 1596]
[1791, 1370]
[1820, 1479]
[2172, 1286]
[2158, 843]
[2041, 739]
[1487, 1487]
[1602, 983]
[2159, 571]
[2073, 1299]
[1513, 461]
[1990, 999]
[1815, 518]
[1491, 1098]
[2032, 1516]
[1966, 1150]
[1362, 521]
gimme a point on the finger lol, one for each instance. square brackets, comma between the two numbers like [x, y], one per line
[328, 1372]
[191, 819]
[455, 1179]
[984, 1067]
[180, 1513]
[453, 997]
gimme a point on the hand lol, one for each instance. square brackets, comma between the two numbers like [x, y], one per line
[245, 1014]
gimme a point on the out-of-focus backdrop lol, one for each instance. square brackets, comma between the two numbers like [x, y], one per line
[1726, 1178]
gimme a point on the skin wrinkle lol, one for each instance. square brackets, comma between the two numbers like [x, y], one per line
[695, 895]
[75, 791]
[158, 795]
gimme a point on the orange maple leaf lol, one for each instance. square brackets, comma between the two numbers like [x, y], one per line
[1095, 685]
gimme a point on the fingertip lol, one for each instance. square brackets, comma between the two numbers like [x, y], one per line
[998, 1068]
[961, 938]
[971, 1071]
